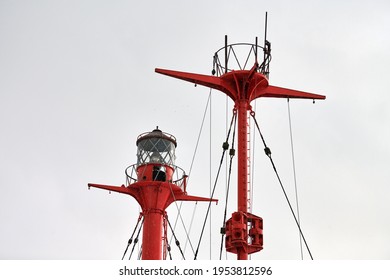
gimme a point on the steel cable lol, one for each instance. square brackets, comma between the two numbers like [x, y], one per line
[231, 153]
[267, 151]
[212, 194]
[294, 172]
[132, 235]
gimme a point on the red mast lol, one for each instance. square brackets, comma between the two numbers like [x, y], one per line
[159, 183]
[244, 231]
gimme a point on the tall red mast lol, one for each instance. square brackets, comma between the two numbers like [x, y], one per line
[244, 231]
[158, 183]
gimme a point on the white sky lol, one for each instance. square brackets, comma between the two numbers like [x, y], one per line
[77, 86]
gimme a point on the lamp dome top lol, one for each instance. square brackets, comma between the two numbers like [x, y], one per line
[157, 133]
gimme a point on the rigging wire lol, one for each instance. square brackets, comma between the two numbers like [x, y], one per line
[189, 173]
[132, 235]
[136, 239]
[140, 253]
[168, 247]
[199, 134]
[176, 241]
[189, 230]
[267, 151]
[294, 172]
[231, 154]
[210, 180]
[169, 251]
[212, 194]
[181, 217]
[227, 110]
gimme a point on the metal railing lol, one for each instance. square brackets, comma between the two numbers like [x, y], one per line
[179, 176]
[236, 57]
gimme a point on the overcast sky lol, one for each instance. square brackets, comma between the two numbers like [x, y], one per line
[77, 86]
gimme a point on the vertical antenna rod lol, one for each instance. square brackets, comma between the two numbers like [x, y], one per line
[265, 47]
[265, 35]
[226, 54]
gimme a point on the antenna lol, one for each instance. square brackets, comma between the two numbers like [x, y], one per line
[226, 54]
[264, 67]
[265, 31]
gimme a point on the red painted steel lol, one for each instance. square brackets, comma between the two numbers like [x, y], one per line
[241, 227]
[242, 87]
[153, 197]
[154, 194]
